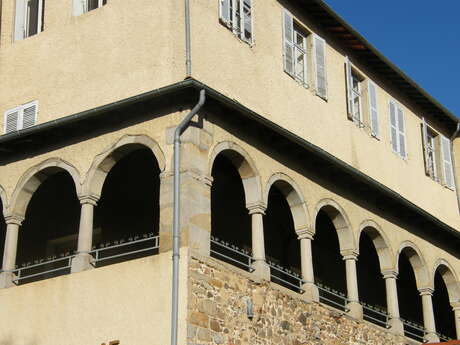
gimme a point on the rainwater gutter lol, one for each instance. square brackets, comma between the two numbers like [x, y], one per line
[188, 46]
[176, 221]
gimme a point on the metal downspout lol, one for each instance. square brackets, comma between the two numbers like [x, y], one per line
[188, 47]
[454, 168]
[176, 221]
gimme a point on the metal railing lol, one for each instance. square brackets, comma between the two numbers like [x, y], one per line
[285, 277]
[332, 297]
[232, 254]
[376, 315]
[118, 249]
[443, 337]
[413, 330]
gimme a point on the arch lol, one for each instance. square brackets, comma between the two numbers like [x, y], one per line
[340, 221]
[449, 277]
[417, 262]
[34, 177]
[105, 161]
[380, 241]
[294, 198]
[245, 166]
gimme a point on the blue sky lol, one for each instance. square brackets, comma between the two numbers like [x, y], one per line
[421, 37]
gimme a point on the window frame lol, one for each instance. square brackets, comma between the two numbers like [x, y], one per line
[236, 21]
[22, 19]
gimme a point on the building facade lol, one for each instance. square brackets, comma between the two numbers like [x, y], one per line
[318, 182]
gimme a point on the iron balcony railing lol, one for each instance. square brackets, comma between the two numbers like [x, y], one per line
[376, 315]
[285, 277]
[413, 330]
[232, 254]
[332, 297]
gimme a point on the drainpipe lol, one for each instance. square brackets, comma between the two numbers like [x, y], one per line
[176, 221]
[454, 169]
[188, 48]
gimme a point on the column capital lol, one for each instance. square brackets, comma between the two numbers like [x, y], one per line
[455, 305]
[305, 233]
[13, 219]
[424, 291]
[89, 199]
[349, 254]
[390, 274]
[257, 207]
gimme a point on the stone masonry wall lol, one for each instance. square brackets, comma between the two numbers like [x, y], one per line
[217, 313]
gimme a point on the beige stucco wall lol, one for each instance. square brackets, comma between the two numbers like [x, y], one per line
[130, 302]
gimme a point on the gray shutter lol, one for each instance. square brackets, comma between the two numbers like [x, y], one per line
[350, 110]
[78, 7]
[447, 162]
[320, 66]
[401, 133]
[393, 127]
[12, 120]
[29, 115]
[224, 11]
[288, 43]
[425, 147]
[373, 113]
[19, 20]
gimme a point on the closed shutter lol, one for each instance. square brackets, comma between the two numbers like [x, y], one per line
[246, 33]
[401, 133]
[20, 20]
[447, 162]
[12, 120]
[224, 12]
[393, 127]
[426, 157]
[320, 66]
[78, 7]
[373, 113]
[288, 43]
[350, 110]
[29, 114]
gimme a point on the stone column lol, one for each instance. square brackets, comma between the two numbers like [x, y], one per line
[82, 260]
[428, 315]
[311, 290]
[13, 224]
[456, 309]
[355, 308]
[394, 322]
[260, 266]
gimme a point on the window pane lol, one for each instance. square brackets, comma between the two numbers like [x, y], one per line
[93, 4]
[32, 17]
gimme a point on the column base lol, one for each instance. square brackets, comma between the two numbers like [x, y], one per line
[311, 293]
[6, 280]
[431, 338]
[261, 271]
[355, 310]
[396, 326]
[82, 262]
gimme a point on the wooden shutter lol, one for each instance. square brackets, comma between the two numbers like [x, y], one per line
[78, 7]
[12, 120]
[426, 158]
[394, 127]
[448, 173]
[320, 66]
[20, 20]
[224, 12]
[29, 114]
[288, 43]
[401, 133]
[373, 113]
[350, 105]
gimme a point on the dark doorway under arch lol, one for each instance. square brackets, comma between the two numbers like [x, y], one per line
[2, 234]
[443, 313]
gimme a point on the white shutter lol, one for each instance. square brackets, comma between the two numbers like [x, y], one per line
[401, 133]
[350, 110]
[79, 7]
[29, 115]
[373, 113]
[394, 127]
[447, 162]
[320, 66]
[425, 147]
[40, 16]
[12, 120]
[20, 20]
[246, 32]
[288, 43]
[224, 11]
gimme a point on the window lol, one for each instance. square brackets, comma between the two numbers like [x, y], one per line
[21, 117]
[397, 129]
[29, 18]
[237, 16]
[83, 6]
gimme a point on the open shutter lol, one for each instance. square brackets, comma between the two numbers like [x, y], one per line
[20, 20]
[29, 114]
[320, 66]
[12, 120]
[288, 43]
[401, 133]
[246, 33]
[78, 7]
[373, 114]
[425, 147]
[393, 127]
[447, 162]
[224, 12]
[350, 110]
